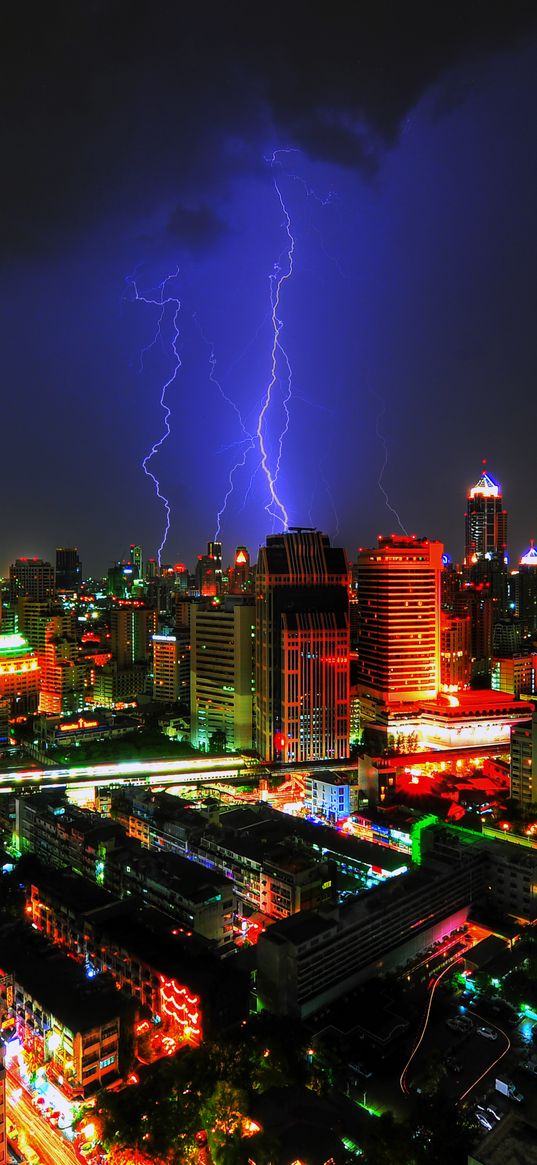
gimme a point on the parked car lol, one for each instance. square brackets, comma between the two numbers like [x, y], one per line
[488, 1033]
[484, 1119]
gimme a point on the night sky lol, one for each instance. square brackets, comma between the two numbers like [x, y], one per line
[138, 145]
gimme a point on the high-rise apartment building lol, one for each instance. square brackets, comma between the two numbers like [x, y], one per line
[455, 657]
[19, 674]
[131, 630]
[32, 577]
[524, 762]
[302, 704]
[63, 672]
[222, 674]
[209, 571]
[399, 619]
[68, 569]
[486, 521]
[137, 559]
[525, 590]
[240, 576]
[165, 669]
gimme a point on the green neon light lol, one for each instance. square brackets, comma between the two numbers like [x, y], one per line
[13, 643]
[416, 832]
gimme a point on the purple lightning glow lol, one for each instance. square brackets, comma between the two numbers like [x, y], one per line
[163, 302]
[248, 441]
[383, 442]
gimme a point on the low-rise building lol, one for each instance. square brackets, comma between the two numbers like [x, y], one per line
[73, 1025]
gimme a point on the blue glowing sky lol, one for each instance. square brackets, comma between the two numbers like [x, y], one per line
[409, 320]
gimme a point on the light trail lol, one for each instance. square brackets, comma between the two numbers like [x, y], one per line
[417, 1045]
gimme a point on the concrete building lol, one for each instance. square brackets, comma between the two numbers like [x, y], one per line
[72, 1025]
[313, 958]
[32, 577]
[327, 795]
[19, 674]
[399, 619]
[302, 705]
[68, 569]
[165, 669]
[524, 762]
[131, 629]
[222, 675]
[63, 672]
[515, 674]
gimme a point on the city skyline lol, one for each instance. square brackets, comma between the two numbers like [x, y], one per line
[515, 555]
[409, 183]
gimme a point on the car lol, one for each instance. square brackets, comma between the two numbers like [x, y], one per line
[483, 1119]
[488, 1033]
[495, 1112]
[360, 1070]
[529, 1066]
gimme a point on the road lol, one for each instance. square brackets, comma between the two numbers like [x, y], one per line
[52, 1148]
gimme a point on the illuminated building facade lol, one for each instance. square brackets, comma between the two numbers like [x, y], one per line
[313, 958]
[63, 673]
[524, 762]
[399, 619]
[240, 576]
[515, 674]
[3, 1122]
[131, 629]
[69, 1024]
[19, 674]
[302, 648]
[486, 522]
[68, 569]
[137, 559]
[327, 796]
[222, 675]
[209, 571]
[525, 590]
[165, 668]
[455, 658]
[32, 577]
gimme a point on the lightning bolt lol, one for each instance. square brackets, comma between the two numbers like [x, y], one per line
[277, 279]
[248, 441]
[382, 440]
[163, 301]
[283, 272]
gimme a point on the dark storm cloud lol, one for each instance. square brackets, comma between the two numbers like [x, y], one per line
[114, 105]
[195, 228]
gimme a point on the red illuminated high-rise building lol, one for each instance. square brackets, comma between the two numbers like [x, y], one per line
[302, 648]
[399, 619]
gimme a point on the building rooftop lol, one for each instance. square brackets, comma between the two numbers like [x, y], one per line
[56, 982]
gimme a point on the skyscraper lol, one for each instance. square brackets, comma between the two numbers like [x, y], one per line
[302, 648]
[32, 577]
[486, 522]
[399, 619]
[221, 674]
[68, 569]
[165, 670]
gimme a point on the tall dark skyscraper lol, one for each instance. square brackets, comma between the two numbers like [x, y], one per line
[486, 522]
[302, 648]
[68, 569]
